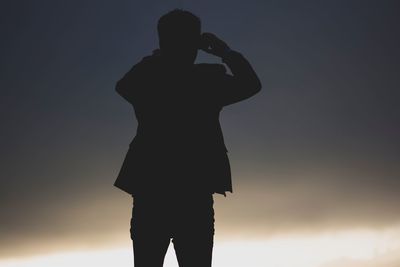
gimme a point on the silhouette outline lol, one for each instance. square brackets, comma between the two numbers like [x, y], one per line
[178, 159]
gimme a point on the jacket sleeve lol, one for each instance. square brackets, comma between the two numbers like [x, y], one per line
[243, 84]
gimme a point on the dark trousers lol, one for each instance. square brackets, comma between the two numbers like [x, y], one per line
[186, 218]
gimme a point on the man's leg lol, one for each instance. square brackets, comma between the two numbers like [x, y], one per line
[150, 236]
[149, 251]
[194, 250]
[193, 237]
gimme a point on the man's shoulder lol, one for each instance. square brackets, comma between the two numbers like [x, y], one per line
[211, 68]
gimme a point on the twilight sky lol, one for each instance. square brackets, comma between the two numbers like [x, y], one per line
[316, 150]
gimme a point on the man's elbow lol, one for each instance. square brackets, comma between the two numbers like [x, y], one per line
[252, 83]
[255, 87]
[119, 88]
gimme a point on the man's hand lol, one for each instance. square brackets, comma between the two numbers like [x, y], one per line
[211, 44]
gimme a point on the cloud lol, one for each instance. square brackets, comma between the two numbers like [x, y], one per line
[388, 259]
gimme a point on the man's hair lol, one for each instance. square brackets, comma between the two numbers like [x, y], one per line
[177, 21]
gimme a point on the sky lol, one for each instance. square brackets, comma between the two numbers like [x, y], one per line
[314, 156]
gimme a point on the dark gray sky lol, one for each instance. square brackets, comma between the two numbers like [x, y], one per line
[318, 148]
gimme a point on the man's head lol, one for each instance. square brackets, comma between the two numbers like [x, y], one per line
[179, 34]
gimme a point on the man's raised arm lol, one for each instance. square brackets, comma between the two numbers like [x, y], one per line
[243, 84]
[125, 86]
[129, 86]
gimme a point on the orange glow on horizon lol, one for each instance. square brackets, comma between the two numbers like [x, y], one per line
[288, 251]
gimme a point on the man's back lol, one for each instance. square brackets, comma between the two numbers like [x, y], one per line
[178, 109]
[179, 142]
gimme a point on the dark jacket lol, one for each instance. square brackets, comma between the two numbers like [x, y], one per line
[179, 143]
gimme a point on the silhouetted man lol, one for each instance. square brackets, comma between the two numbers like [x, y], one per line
[177, 159]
